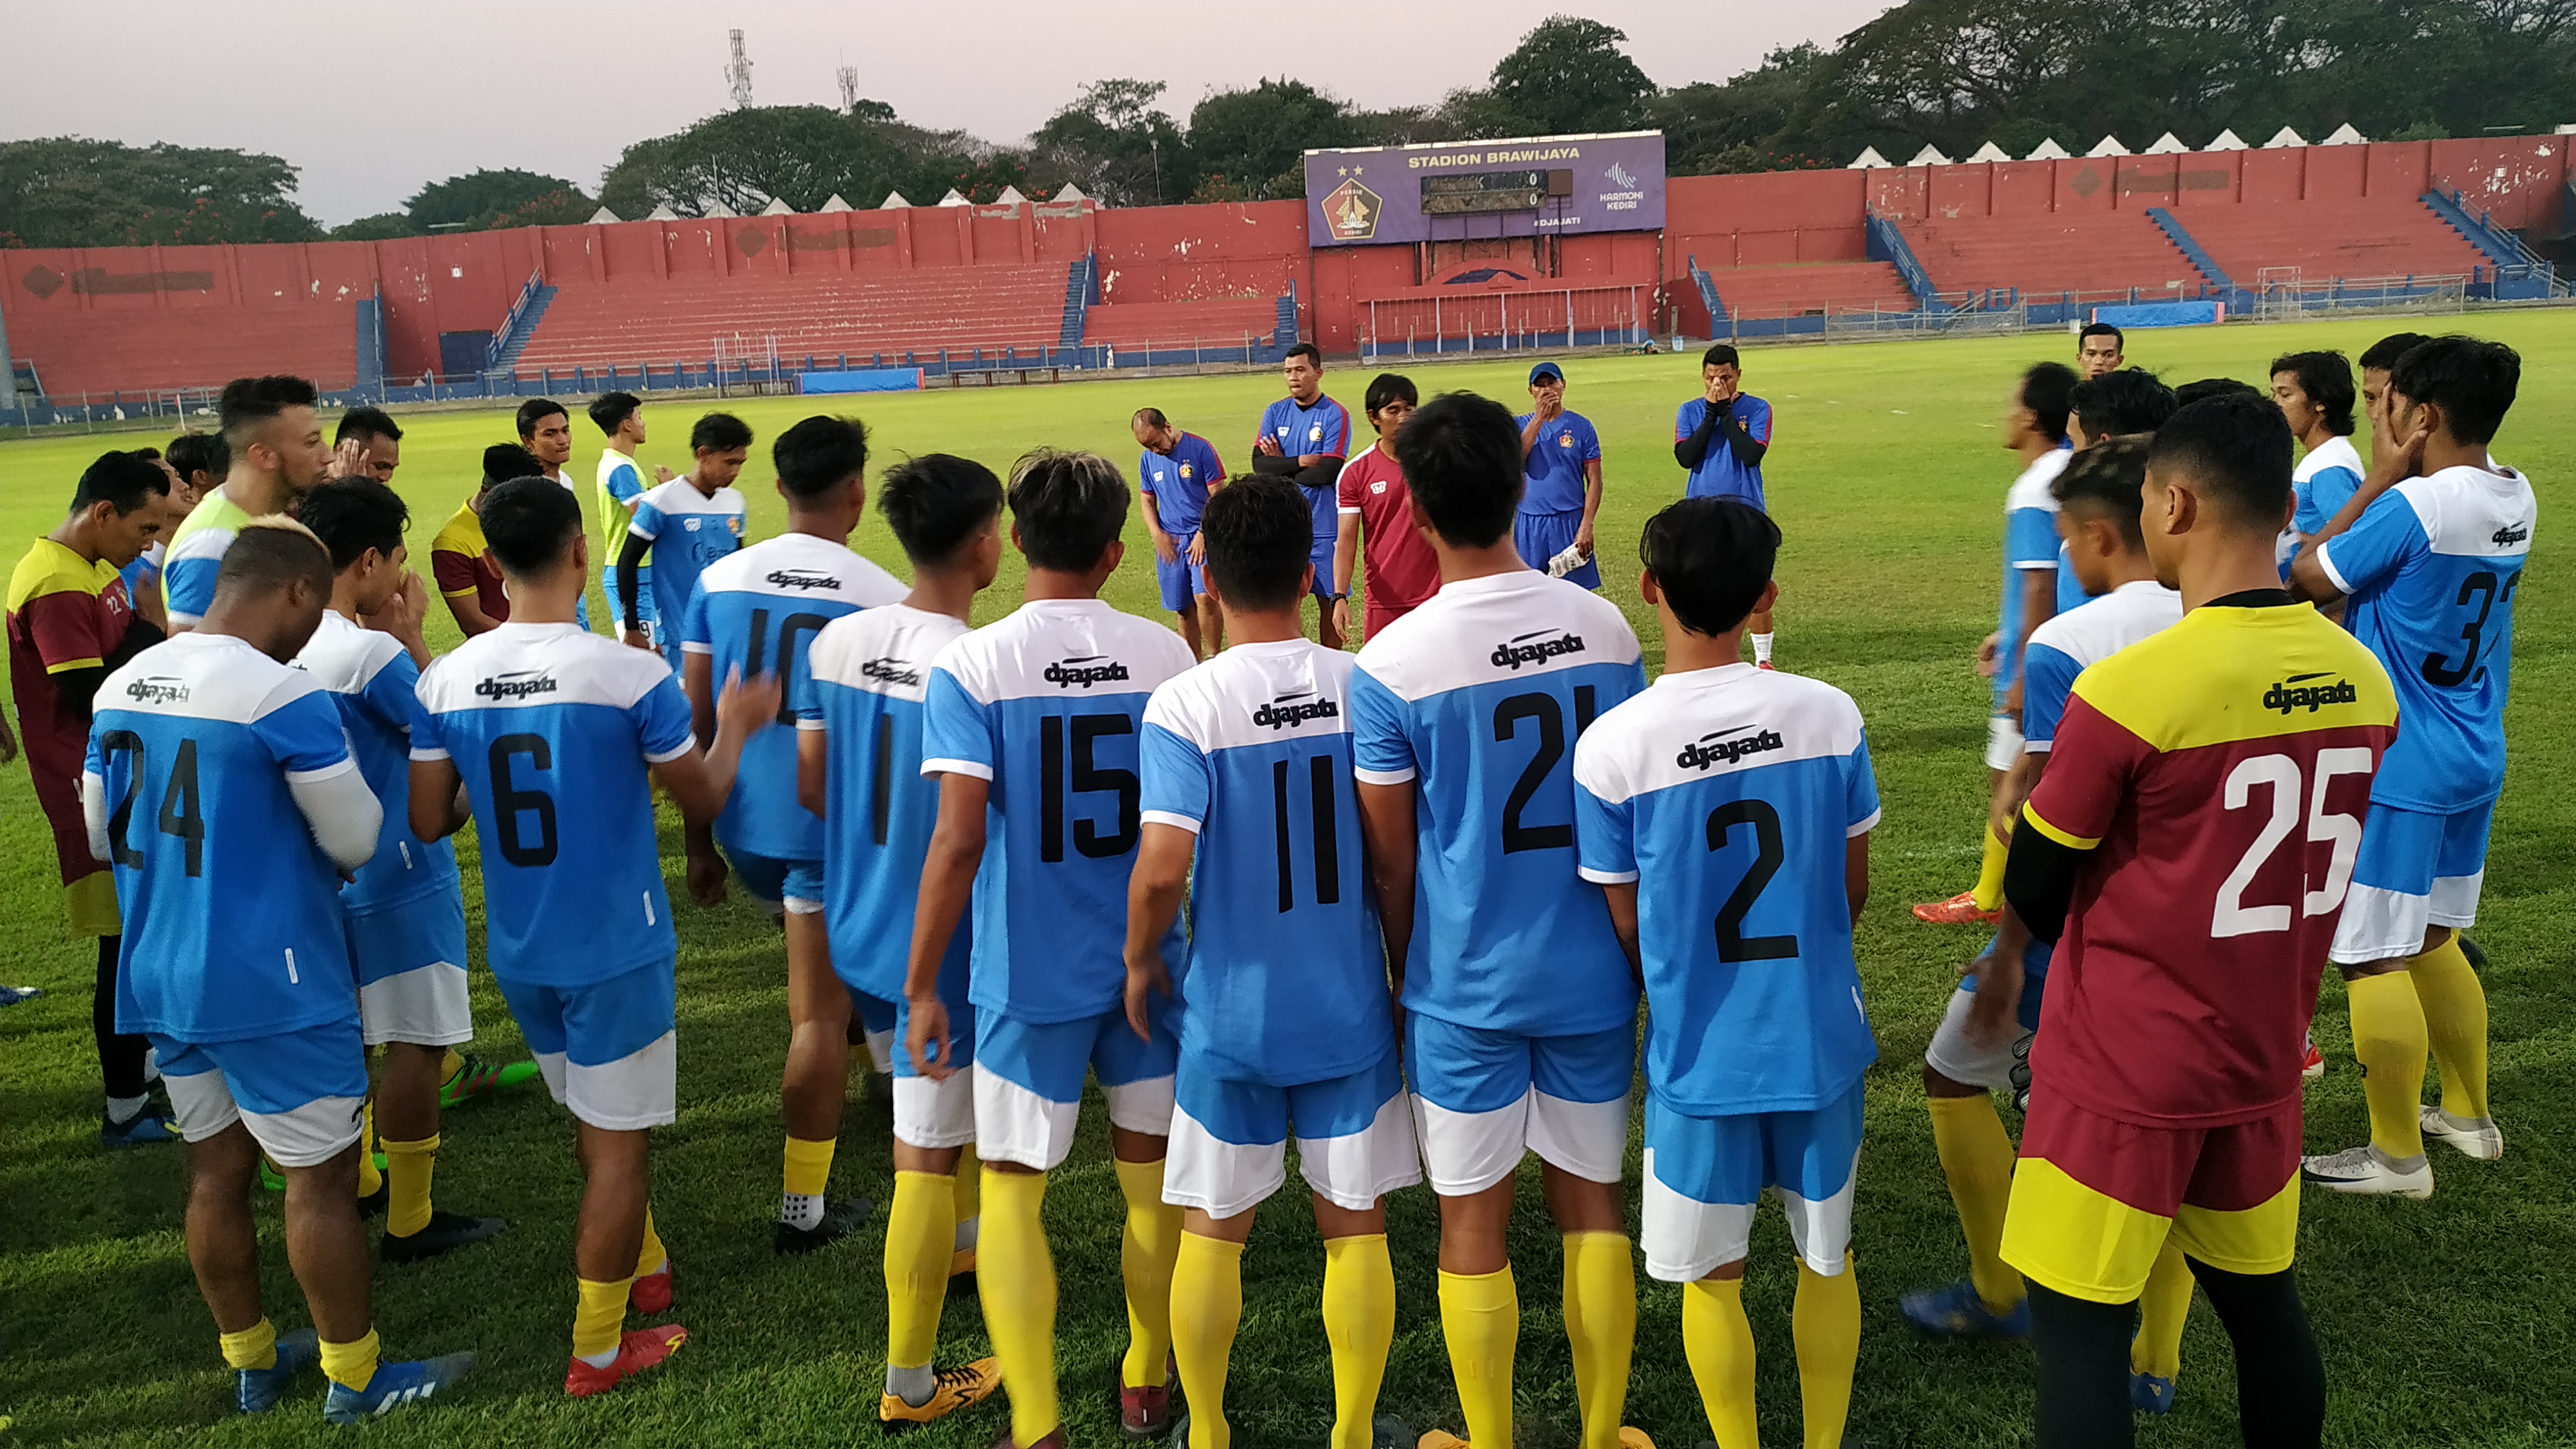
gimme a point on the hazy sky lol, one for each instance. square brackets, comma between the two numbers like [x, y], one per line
[375, 98]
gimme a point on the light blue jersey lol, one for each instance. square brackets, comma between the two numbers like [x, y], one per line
[554, 730]
[756, 612]
[2030, 543]
[1727, 797]
[688, 531]
[1251, 753]
[1048, 705]
[375, 684]
[2066, 646]
[232, 926]
[2324, 481]
[1477, 698]
[2431, 568]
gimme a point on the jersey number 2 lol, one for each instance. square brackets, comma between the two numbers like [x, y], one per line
[1769, 854]
[2280, 774]
[181, 818]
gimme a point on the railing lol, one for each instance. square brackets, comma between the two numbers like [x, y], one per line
[1507, 321]
[501, 335]
[1888, 244]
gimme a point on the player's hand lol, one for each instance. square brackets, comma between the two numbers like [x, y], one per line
[402, 614]
[1583, 537]
[1990, 1012]
[706, 879]
[1198, 550]
[1342, 616]
[1144, 979]
[2012, 701]
[636, 638]
[1989, 655]
[350, 459]
[2396, 456]
[747, 706]
[2003, 812]
[1164, 549]
[1266, 445]
[662, 474]
[927, 1039]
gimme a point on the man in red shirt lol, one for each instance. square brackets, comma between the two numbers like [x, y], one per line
[1402, 569]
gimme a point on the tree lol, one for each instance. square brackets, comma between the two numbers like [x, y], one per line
[1113, 143]
[1257, 138]
[802, 155]
[69, 191]
[482, 200]
[1732, 127]
[1569, 75]
[383, 226]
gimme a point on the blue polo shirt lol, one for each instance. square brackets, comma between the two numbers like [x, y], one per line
[1179, 481]
[1719, 475]
[1552, 475]
[1321, 429]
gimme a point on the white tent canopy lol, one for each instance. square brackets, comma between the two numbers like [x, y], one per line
[2108, 146]
[835, 203]
[2284, 137]
[721, 210]
[1868, 160]
[2167, 144]
[894, 202]
[662, 213]
[1930, 155]
[2047, 150]
[953, 199]
[2345, 135]
[1071, 192]
[1988, 152]
[777, 207]
[603, 216]
[2226, 140]
[1010, 197]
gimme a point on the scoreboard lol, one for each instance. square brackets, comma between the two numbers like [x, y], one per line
[1535, 186]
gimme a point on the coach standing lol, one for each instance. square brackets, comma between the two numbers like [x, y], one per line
[1720, 438]
[1560, 482]
[1304, 437]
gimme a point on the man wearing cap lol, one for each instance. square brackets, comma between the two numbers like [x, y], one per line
[1560, 483]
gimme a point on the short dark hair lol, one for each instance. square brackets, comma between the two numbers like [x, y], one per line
[247, 402]
[2109, 480]
[529, 523]
[2044, 390]
[366, 423]
[1389, 387]
[270, 553]
[1711, 557]
[354, 514]
[1260, 538]
[610, 410]
[505, 461]
[1461, 457]
[124, 481]
[147, 453]
[194, 453]
[2237, 449]
[2198, 388]
[1069, 507]
[2130, 400]
[2327, 380]
[719, 433]
[2384, 353]
[936, 502]
[819, 454]
[1151, 417]
[2101, 329]
[2471, 379]
[1306, 350]
[536, 410]
[1721, 354]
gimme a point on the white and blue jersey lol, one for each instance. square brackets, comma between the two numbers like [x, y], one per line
[1552, 479]
[554, 730]
[757, 612]
[1477, 698]
[1720, 474]
[1179, 481]
[1251, 753]
[232, 925]
[2067, 645]
[1321, 428]
[2324, 481]
[1048, 705]
[688, 530]
[373, 681]
[2030, 543]
[145, 572]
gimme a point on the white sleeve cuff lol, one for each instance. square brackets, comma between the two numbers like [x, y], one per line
[2046, 563]
[1864, 827]
[1606, 877]
[1383, 777]
[816, 725]
[692, 646]
[1348, 512]
[332, 771]
[428, 752]
[2325, 561]
[1166, 817]
[2035, 747]
[957, 767]
[667, 756]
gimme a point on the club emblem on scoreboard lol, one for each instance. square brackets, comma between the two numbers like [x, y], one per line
[1352, 211]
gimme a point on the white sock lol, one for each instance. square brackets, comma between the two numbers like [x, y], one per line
[881, 1052]
[801, 1210]
[1761, 648]
[598, 1360]
[121, 1110]
[966, 1234]
[912, 1385]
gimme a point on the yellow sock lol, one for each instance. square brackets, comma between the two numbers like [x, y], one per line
[920, 1235]
[1977, 1158]
[600, 1319]
[449, 1065]
[2455, 1024]
[254, 1347]
[2388, 1036]
[370, 1178]
[650, 1258]
[970, 1178]
[1017, 1286]
[1601, 1327]
[1480, 1317]
[1718, 1340]
[2162, 1308]
[350, 1365]
[408, 1166]
[1990, 872]
[1207, 1308]
[1145, 1253]
[1359, 1323]
[1825, 1326]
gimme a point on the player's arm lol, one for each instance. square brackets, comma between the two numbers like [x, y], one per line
[1622, 897]
[813, 766]
[1154, 891]
[454, 574]
[630, 567]
[1747, 448]
[1689, 448]
[1529, 433]
[1386, 826]
[698, 681]
[1583, 535]
[1154, 528]
[343, 814]
[947, 885]
[1856, 873]
[439, 807]
[700, 782]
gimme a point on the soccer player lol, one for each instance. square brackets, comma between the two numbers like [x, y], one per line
[757, 612]
[1031, 727]
[1756, 1037]
[1304, 437]
[274, 452]
[2210, 773]
[2112, 405]
[544, 734]
[1720, 438]
[219, 781]
[70, 625]
[1286, 1022]
[2314, 391]
[545, 430]
[2429, 551]
[2375, 363]
[196, 463]
[1402, 569]
[620, 415]
[1174, 476]
[367, 442]
[685, 524]
[2034, 428]
[1520, 1009]
[404, 911]
[460, 560]
[2100, 350]
[1561, 482]
[859, 750]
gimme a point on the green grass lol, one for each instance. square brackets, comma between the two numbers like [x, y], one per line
[2442, 1323]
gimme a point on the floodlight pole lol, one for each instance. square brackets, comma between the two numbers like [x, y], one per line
[8, 378]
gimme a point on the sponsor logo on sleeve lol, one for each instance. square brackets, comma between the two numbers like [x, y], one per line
[158, 689]
[1534, 648]
[891, 671]
[802, 579]
[515, 684]
[2295, 693]
[1725, 747]
[1085, 672]
[1291, 710]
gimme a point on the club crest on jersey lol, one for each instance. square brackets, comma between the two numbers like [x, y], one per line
[1725, 747]
[515, 684]
[801, 579]
[1292, 710]
[2293, 694]
[1565, 440]
[1534, 648]
[890, 671]
[1187, 473]
[158, 689]
[690, 523]
[2511, 533]
[1085, 672]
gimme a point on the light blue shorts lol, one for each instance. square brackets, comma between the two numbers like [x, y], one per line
[2414, 870]
[1705, 1175]
[609, 1050]
[410, 961]
[301, 1093]
[1322, 559]
[796, 885]
[1028, 1082]
[1483, 1098]
[928, 1113]
[1355, 1141]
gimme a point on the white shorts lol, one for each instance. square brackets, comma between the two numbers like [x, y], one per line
[410, 961]
[2003, 742]
[1028, 1083]
[935, 1115]
[1229, 1152]
[1954, 1056]
[1483, 1098]
[302, 1094]
[1706, 1175]
[609, 1051]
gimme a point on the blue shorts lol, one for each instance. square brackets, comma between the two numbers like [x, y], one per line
[301, 1093]
[1705, 1175]
[2414, 871]
[1483, 1098]
[1179, 578]
[1542, 536]
[796, 885]
[1028, 1082]
[1355, 1141]
[933, 1114]
[609, 1050]
[647, 612]
[1322, 559]
[410, 960]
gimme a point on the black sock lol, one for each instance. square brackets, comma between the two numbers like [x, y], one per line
[120, 1056]
[2083, 1350]
[2280, 1377]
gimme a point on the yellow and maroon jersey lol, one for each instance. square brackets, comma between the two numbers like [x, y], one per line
[64, 613]
[2217, 773]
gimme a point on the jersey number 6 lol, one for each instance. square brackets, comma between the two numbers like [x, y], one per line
[509, 802]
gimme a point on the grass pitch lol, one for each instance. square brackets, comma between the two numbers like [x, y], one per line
[2443, 1322]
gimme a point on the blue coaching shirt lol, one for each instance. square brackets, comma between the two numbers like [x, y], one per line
[2431, 568]
[1179, 482]
[232, 925]
[2030, 542]
[688, 531]
[1048, 704]
[871, 674]
[1478, 697]
[1727, 795]
[554, 729]
[1552, 475]
[374, 683]
[1719, 475]
[757, 612]
[1323, 428]
[1251, 753]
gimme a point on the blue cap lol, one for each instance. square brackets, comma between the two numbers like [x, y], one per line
[1546, 369]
